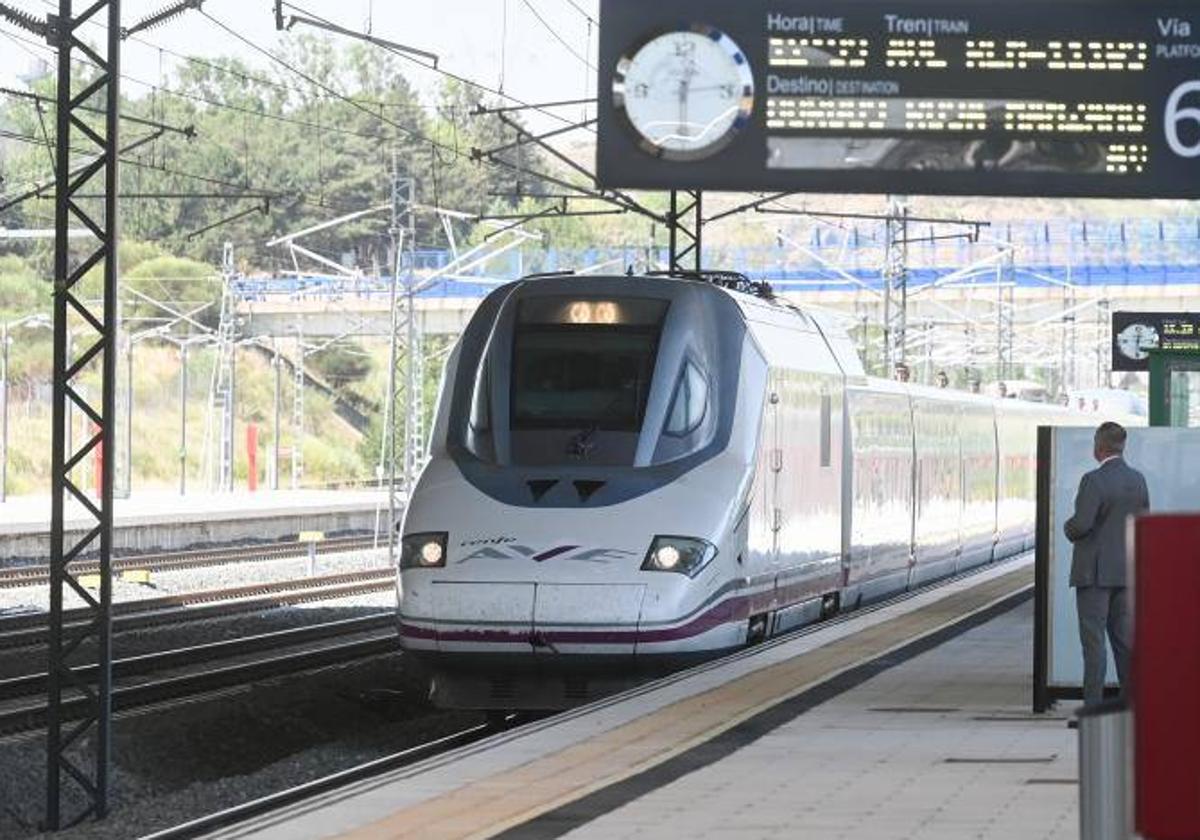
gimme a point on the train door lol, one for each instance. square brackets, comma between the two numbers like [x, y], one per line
[937, 489]
[776, 486]
[759, 562]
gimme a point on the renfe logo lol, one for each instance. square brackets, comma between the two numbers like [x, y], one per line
[565, 552]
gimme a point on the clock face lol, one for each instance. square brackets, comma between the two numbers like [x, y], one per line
[685, 93]
[1135, 340]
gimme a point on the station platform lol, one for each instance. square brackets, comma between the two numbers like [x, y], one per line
[906, 720]
[166, 521]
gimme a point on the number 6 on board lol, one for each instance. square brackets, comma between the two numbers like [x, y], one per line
[1175, 115]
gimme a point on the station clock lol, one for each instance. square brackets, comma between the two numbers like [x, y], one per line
[684, 93]
[1136, 339]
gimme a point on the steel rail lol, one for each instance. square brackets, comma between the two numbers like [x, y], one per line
[292, 796]
[33, 575]
[30, 629]
[125, 698]
[30, 684]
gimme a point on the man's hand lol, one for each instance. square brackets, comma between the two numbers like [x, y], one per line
[1087, 510]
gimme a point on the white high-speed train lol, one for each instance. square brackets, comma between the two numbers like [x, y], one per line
[628, 474]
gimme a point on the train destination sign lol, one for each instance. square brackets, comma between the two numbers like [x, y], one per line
[1029, 97]
[1134, 334]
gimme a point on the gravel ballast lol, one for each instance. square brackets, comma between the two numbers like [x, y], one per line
[176, 763]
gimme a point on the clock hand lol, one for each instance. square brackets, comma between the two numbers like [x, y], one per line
[707, 88]
[683, 98]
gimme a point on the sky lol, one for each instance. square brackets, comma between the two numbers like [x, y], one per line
[490, 41]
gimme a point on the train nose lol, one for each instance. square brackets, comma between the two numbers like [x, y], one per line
[546, 618]
[588, 618]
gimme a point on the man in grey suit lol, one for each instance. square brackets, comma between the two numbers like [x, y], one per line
[1107, 497]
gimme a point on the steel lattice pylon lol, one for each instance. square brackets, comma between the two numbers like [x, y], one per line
[895, 290]
[221, 394]
[684, 226]
[298, 406]
[89, 639]
[404, 441]
[1005, 315]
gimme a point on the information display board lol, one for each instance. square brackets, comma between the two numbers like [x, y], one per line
[1134, 334]
[1027, 97]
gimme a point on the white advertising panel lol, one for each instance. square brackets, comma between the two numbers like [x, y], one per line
[1170, 460]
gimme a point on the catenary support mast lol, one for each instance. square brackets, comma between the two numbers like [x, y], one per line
[78, 751]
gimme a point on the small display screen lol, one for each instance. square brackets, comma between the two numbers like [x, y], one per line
[584, 364]
[1135, 334]
[569, 309]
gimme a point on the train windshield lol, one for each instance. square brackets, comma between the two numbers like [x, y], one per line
[621, 380]
[584, 364]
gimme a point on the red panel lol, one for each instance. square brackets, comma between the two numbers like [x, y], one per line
[252, 456]
[1166, 677]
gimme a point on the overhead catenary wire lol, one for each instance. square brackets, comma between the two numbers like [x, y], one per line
[454, 76]
[435, 146]
[186, 131]
[557, 35]
[40, 188]
[212, 102]
[244, 76]
[408, 131]
[390, 46]
[237, 191]
[247, 77]
[591, 20]
[360, 105]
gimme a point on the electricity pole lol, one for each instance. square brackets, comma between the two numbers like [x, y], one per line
[276, 363]
[79, 667]
[398, 444]
[895, 284]
[4, 415]
[298, 407]
[183, 394]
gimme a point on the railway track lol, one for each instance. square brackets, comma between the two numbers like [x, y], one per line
[32, 628]
[292, 796]
[202, 669]
[34, 575]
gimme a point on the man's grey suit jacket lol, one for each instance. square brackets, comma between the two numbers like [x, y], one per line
[1107, 496]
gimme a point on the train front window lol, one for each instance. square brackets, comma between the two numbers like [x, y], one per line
[584, 364]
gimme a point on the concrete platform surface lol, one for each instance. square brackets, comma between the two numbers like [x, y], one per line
[29, 514]
[165, 520]
[941, 747]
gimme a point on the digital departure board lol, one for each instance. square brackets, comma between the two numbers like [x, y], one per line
[1026, 97]
[1135, 334]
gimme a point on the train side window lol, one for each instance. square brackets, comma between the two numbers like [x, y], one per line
[690, 403]
[826, 430]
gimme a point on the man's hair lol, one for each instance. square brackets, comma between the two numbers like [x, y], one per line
[1111, 437]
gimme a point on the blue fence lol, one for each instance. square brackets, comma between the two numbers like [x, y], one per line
[1122, 252]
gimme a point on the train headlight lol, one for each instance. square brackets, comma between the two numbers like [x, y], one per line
[686, 555]
[423, 551]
